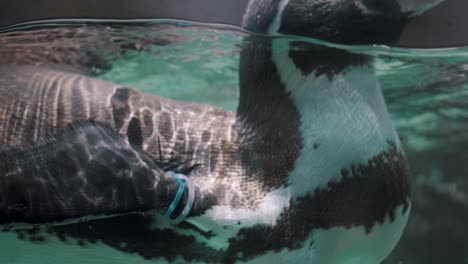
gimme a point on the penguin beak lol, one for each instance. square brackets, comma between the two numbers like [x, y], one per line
[417, 7]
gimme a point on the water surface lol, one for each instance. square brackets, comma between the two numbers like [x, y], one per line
[426, 93]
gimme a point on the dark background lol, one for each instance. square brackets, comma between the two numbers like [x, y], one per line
[446, 25]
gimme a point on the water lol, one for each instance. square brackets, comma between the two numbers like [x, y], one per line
[426, 93]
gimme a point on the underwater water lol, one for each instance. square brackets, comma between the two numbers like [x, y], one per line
[426, 92]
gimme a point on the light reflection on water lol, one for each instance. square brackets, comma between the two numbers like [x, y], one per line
[426, 93]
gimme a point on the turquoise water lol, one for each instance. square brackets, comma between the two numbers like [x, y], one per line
[426, 93]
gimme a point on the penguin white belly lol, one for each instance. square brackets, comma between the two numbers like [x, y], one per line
[343, 246]
[344, 121]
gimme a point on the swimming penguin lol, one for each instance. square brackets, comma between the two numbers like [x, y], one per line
[308, 170]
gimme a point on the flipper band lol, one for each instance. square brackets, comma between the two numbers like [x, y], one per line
[183, 180]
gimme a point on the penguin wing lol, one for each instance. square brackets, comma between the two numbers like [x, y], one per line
[86, 171]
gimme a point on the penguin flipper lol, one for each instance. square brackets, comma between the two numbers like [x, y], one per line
[86, 171]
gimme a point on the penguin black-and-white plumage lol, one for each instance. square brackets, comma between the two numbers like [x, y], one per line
[308, 170]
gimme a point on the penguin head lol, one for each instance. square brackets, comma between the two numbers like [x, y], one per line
[338, 21]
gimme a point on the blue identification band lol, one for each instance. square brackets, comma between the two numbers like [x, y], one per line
[176, 200]
[183, 181]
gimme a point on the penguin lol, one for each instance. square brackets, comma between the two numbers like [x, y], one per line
[309, 169]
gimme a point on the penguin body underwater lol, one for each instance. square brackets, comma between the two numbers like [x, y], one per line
[308, 170]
